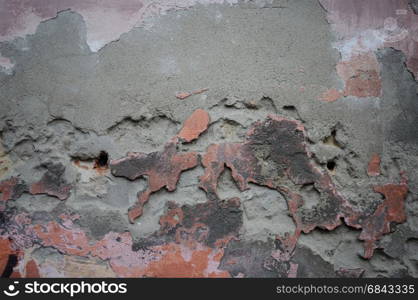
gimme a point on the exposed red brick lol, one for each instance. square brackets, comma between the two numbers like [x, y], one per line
[183, 95]
[284, 147]
[32, 270]
[373, 169]
[200, 237]
[51, 184]
[168, 260]
[172, 218]
[331, 95]
[285, 151]
[246, 167]
[179, 261]
[281, 144]
[191, 239]
[184, 258]
[197, 123]
[391, 210]
[217, 157]
[361, 75]
[162, 168]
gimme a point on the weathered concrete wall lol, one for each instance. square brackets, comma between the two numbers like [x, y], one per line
[208, 138]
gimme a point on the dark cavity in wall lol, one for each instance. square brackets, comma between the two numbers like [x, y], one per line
[331, 165]
[102, 161]
[11, 263]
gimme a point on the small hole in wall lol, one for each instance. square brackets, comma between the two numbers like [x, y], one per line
[331, 165]
[289, 107]
[103, 160]
[3, 219]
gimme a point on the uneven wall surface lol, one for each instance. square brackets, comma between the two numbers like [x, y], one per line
[209, 138]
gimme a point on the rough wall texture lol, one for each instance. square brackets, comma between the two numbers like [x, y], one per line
[208, 138]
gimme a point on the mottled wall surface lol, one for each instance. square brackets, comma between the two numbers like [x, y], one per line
[208, 138]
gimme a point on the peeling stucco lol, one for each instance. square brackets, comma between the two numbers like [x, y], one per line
[20, 18]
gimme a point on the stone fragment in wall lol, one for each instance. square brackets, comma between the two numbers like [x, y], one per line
[52, 183]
